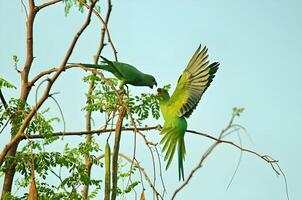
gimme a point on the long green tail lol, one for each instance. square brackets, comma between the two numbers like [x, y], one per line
[171, 140]
[105, 67]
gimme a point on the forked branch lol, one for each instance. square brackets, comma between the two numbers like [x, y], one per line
[28, 118]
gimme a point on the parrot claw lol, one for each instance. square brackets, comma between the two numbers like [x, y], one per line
[122, 91]
[159, 127]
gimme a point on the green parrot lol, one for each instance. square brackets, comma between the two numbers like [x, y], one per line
[193, 82]
[127, 74]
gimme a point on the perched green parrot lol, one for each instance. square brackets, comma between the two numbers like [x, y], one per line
[193, 82]
[127, 74]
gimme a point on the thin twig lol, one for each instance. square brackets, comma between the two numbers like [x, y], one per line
[24, 6]
[49, 3]
[264, 157]
[219, 140]
[205, 155]
[61, 111]
[40, 75]
[37, 90]
[160, 171]
[10, 117]
[3, 100]
[141, 176]
[142, 170]
[79, 133]
[4, 126]
[105, 23]
[238, 163]
[285, 181]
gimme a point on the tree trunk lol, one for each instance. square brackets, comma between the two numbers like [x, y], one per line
[9, 175]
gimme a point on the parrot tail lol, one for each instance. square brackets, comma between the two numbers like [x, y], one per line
[106, 67]
[172, 139]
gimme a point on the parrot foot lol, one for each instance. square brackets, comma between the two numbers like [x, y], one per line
[122, 89]
[159, 127]
[122, 92]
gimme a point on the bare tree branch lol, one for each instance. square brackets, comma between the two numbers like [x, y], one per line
[142, 170]
[205, 155]
[80, 133]
[105, 23]
[49, 3]
[266, 158]
[40, 75]
[24, 6]
[219, 140]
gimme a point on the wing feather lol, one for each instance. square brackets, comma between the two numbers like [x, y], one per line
[193, 82]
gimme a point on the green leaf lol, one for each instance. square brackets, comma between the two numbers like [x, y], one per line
[237, 111]
[5, 84]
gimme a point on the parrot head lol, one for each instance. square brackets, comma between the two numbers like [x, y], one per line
[150, 80]
[162, 94]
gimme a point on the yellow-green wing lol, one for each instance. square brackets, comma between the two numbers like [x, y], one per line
[193, 82]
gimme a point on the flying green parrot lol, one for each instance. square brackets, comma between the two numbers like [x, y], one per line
[193, 82]
[127, 74]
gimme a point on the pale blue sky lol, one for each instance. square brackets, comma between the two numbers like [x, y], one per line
[258, 44]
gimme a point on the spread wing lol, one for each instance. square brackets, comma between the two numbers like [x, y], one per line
[193, 82]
